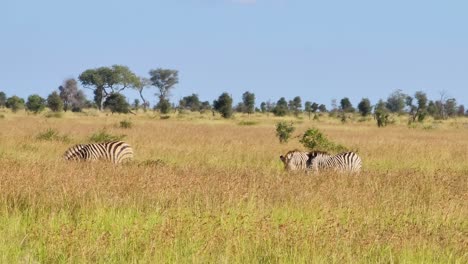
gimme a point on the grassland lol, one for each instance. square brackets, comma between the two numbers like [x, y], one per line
[219, 193]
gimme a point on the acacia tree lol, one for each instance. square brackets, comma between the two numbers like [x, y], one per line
[248, 100]
[396, 101]
[164, 80]
[308, 107]
[105, 81]
[365, 107]
[15, 103]
[419, 111]
[223, 105]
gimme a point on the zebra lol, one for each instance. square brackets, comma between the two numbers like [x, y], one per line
[114, 151]
[319, 160]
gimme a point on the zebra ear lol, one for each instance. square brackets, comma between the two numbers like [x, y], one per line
[282, 158]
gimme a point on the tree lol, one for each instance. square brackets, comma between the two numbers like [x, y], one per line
[263, 107]
[136, 104]
[205, 106]
[432, 109]
[15, 103]
[3, 99]
[281, 108]
[420, 111]
[322, 108]
[105, 81]
[308, 107]
[191, 102]
[35, 103]
[296, 105]
[461, 110]
[381, 114]
[365, 107]
[346, 105]
[54, 102]
[117, 103]
[71, 96]
[248, 99]
[164, 80]
[396, 101]
[144, 82]
[451, 107]
[224, 105]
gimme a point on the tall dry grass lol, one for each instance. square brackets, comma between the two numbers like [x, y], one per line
[218, 193]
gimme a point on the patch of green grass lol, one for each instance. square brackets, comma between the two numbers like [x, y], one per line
[103, 136]
[247, 123]
[126, 124]
[52, 135]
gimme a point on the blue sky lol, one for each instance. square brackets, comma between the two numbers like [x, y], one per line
[319, 50]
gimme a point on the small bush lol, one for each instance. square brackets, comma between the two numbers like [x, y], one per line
[313, 139]
[165, 117]
[103, 136]
[247, 123]
[2, 116]
[52, 135]
[284, 131]
[126, 124]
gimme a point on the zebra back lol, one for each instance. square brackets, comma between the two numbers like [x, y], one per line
[114, 151]
[344, 162]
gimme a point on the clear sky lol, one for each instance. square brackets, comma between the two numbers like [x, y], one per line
[318, 50]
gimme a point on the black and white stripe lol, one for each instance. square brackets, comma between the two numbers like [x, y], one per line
[319, 161]
[115, 152]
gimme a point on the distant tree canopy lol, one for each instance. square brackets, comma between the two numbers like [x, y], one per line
[418, 111]
[15, 103]
[144, 82]
[35, 103]
[322, 108]
[3, 99]
[295, 105]
[365, 107]
[281, 108]
[381, 114]
[346, 105]
[224, 105]
[164, 80]
[105, 81]
[191, 102]
[73, 98]
[117, 103]
[54, 102]
[396, 101]
[248, 100]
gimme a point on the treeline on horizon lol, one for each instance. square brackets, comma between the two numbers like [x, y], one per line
[107, 84]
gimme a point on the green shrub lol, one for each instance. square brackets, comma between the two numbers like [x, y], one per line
[313, 139]
[103, 136]
[126, 124]
[52, 135]
[284, 131]
[165, 117]
[247, 123]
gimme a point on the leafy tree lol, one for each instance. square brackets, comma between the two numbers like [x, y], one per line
[144, 82]
[296, 105]
[72, 97]
[3, 99]
[15, 103]
[381, 114]
[322, 108]
[283, 131]
[346, 105]
[105, 81]
[191, 102]
[432, 109]
[308, 107]
[461, 110]
[224, 105]
[248, 100]
[35, 103]
[263, 107]
[420, 111]
[164, 80]
[136, 104]
[313, 139]
[205, 106]
[365, 107]
[396, 101]
[451, 107]
[164, 106]
[117, 103]
[54, 102]
[281, 108]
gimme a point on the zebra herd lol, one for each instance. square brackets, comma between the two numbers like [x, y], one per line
[318, 161]
[119, 151]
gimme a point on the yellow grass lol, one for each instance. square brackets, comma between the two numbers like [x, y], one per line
[219, 193]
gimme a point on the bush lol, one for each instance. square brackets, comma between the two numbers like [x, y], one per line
[103, 136]
[52, 135]
[125, 124]
[247, 123]
[53, 114]
[284, 131]
[313, 139]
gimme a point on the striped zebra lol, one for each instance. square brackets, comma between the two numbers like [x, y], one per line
[318, 161]
[114, 151]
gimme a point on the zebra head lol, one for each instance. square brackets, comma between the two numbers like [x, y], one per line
[295, 160]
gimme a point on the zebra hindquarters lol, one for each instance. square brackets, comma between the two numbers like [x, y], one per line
[353, 162]
[122, 152]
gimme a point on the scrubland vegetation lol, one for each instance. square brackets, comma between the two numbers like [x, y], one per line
[207, 189]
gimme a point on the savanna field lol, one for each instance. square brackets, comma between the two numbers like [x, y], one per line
[206, 190]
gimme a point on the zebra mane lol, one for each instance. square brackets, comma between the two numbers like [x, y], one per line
[293, 151]
[318, 152]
